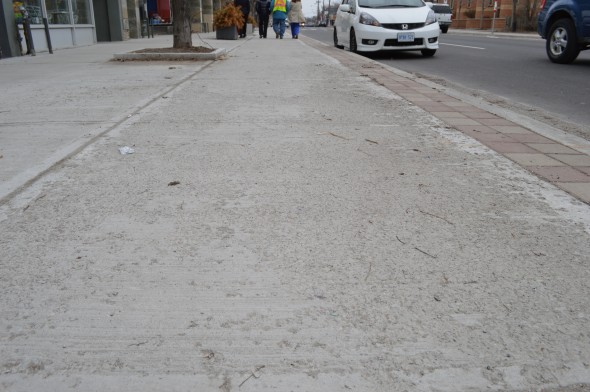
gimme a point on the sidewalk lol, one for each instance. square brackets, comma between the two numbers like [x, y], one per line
[294, 217]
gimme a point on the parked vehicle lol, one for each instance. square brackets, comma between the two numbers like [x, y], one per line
[444, 15]
[385, 25]
[565, 25]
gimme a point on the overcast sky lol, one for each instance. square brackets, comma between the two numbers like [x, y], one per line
[310, 7]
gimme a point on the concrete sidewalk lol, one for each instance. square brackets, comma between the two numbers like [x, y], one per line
[294, 217]
[53, 105]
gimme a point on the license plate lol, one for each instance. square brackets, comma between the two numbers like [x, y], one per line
[405, 37]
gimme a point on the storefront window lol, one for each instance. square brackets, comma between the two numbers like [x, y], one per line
[81, 11]
[33, 10]
[58, 11]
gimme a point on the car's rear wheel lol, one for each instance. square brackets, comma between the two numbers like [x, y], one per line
[562, 46]
[336, 44]
[444, 29]
[428, 52]
[353, 47]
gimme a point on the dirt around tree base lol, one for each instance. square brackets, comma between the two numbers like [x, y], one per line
[192, 49]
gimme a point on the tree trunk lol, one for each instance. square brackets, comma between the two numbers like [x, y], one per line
[181, 25]
[531, 15]
[513, 19]
[482, 12]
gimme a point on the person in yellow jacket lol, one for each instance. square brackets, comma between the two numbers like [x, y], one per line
[296, 17]
[279, 10]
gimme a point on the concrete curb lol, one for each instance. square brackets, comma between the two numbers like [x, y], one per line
[170, 56]
[496, 33]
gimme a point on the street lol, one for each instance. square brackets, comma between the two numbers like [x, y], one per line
[509, 71]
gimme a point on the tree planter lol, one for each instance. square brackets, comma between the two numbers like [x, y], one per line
[226, 33]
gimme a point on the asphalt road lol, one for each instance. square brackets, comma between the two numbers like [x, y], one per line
[513, 72]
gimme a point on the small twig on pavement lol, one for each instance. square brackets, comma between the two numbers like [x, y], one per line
[252, 374]
[436, 216]
[400, 240]
[426, 253]
[369, 272]
[137, 344]
[366, 153]
[371, 141]
[341, 137]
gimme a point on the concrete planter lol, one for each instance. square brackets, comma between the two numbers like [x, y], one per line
[226, 33]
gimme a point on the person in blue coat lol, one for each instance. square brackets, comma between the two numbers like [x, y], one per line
[279, 10]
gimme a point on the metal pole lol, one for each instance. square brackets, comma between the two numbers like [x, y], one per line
[47, 36]
[28, 35]
[318, 15]
[494, 18]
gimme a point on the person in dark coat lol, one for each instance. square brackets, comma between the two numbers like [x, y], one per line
[263, 11]
[245, 7]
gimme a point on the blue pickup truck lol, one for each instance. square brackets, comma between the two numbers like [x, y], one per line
[565, 25]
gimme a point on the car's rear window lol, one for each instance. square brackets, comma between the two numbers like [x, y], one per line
[390, 3]
[441, 9]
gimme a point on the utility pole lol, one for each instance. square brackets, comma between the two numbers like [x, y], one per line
[318, 15]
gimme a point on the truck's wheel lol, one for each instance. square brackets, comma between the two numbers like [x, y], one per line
[562, 45]
[444, 29]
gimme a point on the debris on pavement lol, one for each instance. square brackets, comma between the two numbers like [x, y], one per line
[126, 150]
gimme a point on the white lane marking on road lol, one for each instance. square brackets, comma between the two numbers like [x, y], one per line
[463, 46]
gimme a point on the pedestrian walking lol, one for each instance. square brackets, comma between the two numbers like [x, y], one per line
[245, 7]
[262, 9]
[296, 17]
[279, 9]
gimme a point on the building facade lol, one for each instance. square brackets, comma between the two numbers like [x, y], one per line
[70, 23]
[73, 23]
[501, 15]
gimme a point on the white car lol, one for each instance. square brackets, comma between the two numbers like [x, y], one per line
[383, 25]
[444, 15]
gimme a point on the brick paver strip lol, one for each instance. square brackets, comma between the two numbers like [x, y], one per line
[530, 137]
[578, 189]
[461, 121]
[565, 167]
[477, 129]
[572, 159]
[509, 128]
[504, 147]
[489, 137]
[534, 159]
[479, 114]
[560, 174]
[552, 148]
[445, 115]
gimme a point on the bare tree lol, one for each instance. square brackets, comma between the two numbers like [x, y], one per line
[513, 18]
[531, 14]
[483, 9]
[181, 25]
